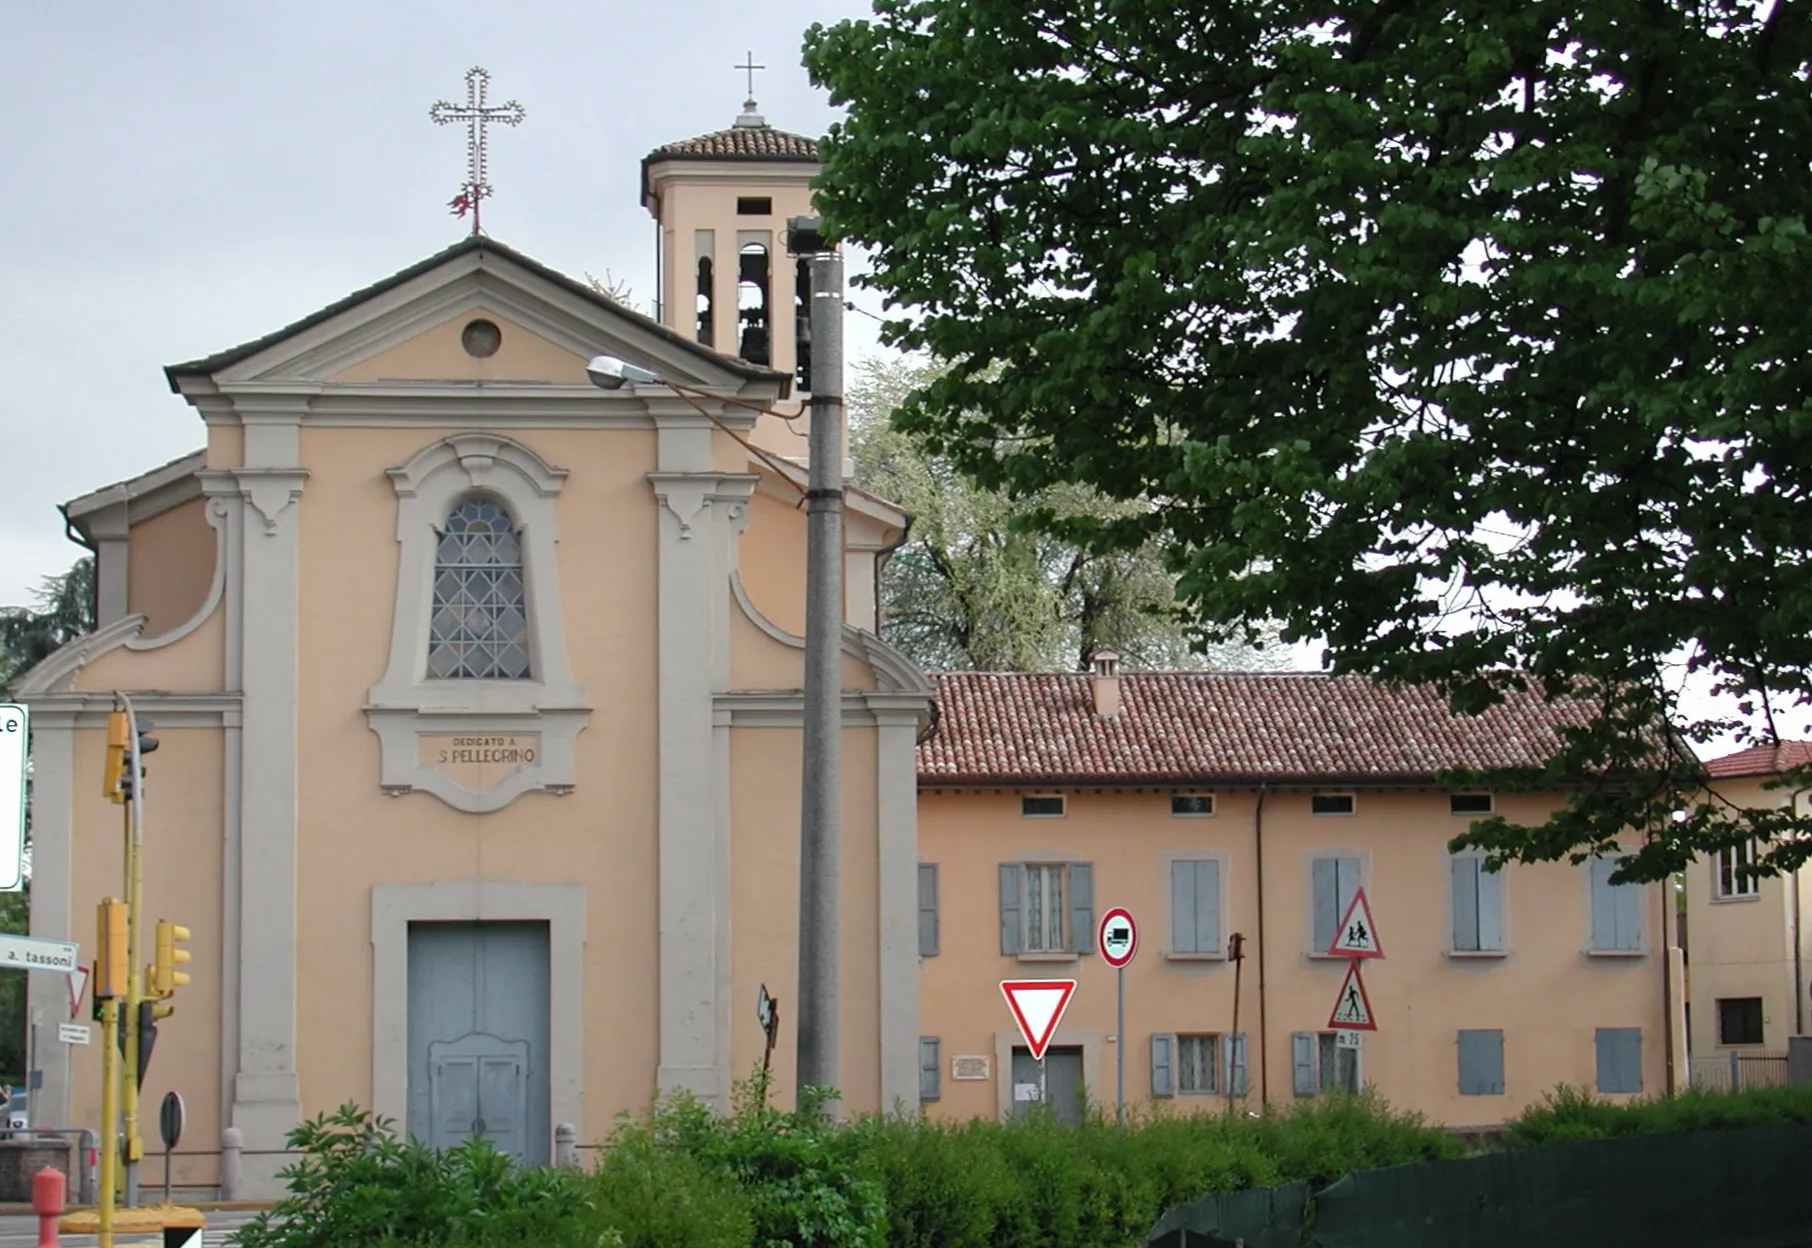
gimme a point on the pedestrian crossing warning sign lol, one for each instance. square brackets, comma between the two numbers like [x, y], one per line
[1357, 935]
[1353, 1008]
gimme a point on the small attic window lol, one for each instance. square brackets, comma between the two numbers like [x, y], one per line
[481, 339]
[754, 206]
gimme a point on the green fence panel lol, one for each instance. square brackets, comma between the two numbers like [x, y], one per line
[1269, 1217]
[1748, 1188]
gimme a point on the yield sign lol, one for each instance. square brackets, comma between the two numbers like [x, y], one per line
[78, 985]
[1353, 1008]
[1038, 1006]
[1357, 936]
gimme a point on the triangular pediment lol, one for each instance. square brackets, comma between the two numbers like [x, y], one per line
[407, 330]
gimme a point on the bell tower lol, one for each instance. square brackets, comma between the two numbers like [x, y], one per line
[720, 204]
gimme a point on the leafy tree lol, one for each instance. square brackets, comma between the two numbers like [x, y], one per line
[1471, 339]
[974, 589]
[64, 611]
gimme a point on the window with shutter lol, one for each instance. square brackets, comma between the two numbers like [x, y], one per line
[1481, 1063]
[1619, 1053]
[1616, 910]
[1195, 906]
[1333, 881]
[930, 1069]
[927, 909]
[1477, 907]
[1047, 907]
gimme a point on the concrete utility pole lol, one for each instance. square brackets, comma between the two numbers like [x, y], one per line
[820, 822]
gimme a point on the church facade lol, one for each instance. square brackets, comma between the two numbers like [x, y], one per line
[478, 694]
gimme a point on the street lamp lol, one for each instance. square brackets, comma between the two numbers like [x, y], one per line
[819, 819]
[607, 372]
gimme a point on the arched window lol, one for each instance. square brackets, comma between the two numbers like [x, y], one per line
[479, 626]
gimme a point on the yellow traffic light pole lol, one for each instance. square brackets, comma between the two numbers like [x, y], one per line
[110, 967]
[125, 783]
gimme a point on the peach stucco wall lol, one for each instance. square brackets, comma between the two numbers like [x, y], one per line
[1743, 946]
[182, 883]
[436, 355]
[602, 835]
[170, 566]
[1547, 995]
[764, 914]
[192, 664]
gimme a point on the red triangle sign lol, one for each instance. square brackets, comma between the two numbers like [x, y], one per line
[1357, 935]
[1038, 1006]
[1353, 1007]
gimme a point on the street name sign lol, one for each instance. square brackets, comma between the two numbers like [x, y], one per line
[28, 953]
[1038, 1006]
[1118, 938]
[1357, 936]
[1353, 1008]
[15, 737]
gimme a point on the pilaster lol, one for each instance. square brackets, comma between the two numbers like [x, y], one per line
[262, 605]
[52, 839]
[700, 514]
[897, 830]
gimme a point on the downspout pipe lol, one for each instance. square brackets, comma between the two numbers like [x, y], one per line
[1799, 961]
[1264, 1035]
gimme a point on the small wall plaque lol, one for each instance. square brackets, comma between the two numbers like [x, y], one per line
[969, 1068]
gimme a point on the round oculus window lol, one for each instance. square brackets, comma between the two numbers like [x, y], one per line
[481, 339]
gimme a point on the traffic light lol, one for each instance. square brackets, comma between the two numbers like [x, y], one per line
[146, 744]
[165, 978]
[110, 966]
[113, 778]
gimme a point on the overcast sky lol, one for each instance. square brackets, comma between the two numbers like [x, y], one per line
[184, 175]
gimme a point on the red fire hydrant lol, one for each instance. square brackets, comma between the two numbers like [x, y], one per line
[47, 1188]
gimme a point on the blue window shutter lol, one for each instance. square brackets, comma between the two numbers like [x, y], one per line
[1491, 907]
[1619, 1059]
[930, 1069]
[1348, 877]
[1207, 906]
[1010, 884]
[1466, 907]
[1629, 915]
[1302, 1059]
[1163, 1064]
[1182, 907]
[1604, 911]
[1481, 1063]
[1082, 907]
[1326, 902]
[1236, 1064]
[927, 909]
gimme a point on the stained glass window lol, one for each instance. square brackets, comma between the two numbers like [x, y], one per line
[479, 628]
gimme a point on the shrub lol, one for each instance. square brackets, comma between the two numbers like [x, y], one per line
[358, 1184]
[1575, 1114]
[651, 1195]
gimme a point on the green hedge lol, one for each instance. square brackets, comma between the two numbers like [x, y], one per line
[761, 1178]
[1575, 1114]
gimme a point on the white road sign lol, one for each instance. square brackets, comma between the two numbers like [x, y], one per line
[1118, 938]
[28, 953]
[72, 1033]
[15, 737]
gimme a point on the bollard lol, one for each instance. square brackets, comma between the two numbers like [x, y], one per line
[47, 1190]
[566, 1146]
[232, 1162]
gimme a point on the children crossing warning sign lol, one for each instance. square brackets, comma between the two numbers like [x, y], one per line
[1357, 935]
[1353, 1008]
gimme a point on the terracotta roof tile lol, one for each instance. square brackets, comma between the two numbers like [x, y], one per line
[1761, 760]
[740, 143]
[1196, 727]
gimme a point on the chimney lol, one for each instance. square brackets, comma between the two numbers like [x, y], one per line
[1104, 682]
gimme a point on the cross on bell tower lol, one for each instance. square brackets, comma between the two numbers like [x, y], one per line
[477, 115]
[750, 116]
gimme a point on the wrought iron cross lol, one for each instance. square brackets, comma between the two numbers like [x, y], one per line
[477, 115]
[749, 65]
